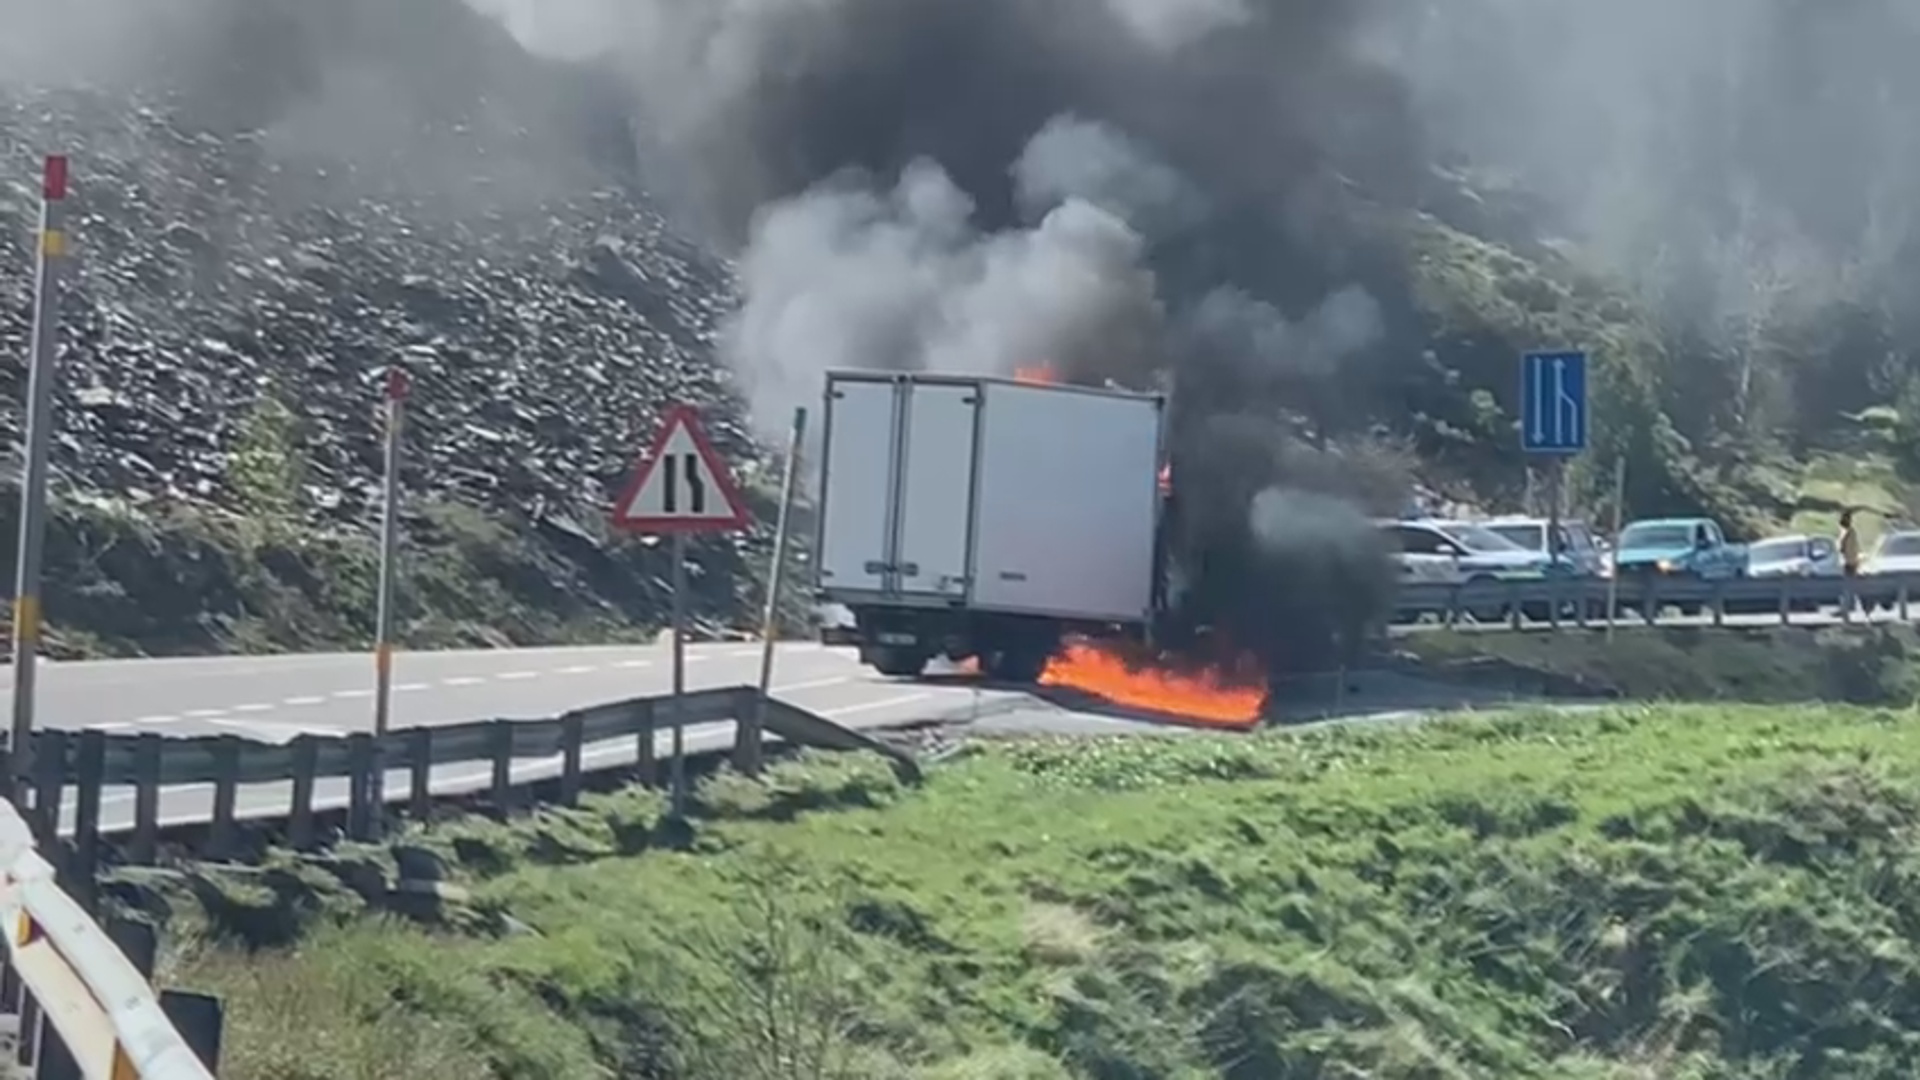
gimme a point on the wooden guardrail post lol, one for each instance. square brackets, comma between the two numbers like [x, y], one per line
[572, 747]
[147, 753]
[306, 767]
[49, 784]
[500, 744]
[90, 770]
[420, 762]
[646, 753]
[360, 766]
[226, 797]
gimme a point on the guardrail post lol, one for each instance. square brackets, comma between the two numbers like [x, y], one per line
[50, 778]
[360, 766]
[420, 760]
[646, 757]
[572, 738]
[1719, 601]
[200, 1019]
[54, 1061]
[90, 770]
[306, 767]
[1786, 603]
[137, 941]
[226, 792]
[500, 738]
[147, 752]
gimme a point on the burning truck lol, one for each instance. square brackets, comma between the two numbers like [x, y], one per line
[983, 518]
[1034, 528]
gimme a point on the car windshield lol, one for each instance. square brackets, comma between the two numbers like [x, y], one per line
[1531, 537]
[1657, 536]
[1901, 544]
[1777, 550]
[1481, 538]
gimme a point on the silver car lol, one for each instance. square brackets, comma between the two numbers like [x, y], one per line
[1794, 556]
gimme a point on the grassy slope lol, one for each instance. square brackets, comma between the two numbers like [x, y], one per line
[1646, 892]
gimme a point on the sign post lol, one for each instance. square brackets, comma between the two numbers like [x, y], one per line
[397, 388]
[753, 728]
[1553, 424]
[681, 486]
[44, 358]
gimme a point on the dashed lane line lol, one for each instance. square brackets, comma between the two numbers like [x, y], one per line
[462, 680]
[303, 700]
[508, 675]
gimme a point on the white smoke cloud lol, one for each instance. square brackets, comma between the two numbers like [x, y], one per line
[844, 276]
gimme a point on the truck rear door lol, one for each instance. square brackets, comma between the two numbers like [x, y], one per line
[931, 531]
[857, 484]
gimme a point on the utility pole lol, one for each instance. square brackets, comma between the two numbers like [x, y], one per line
[753, 731]
[33, 482]
[397, 388]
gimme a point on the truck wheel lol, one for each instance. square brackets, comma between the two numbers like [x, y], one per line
[1017, 664]
[898, 662]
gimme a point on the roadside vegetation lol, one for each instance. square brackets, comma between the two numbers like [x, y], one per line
[1862, 665]
[1697, 891]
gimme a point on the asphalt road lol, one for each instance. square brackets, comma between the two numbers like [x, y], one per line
[275, 698]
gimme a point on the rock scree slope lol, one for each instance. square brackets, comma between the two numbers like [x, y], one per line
[257, 238]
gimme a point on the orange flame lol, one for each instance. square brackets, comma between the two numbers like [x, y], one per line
[1207, 696]
[1041, 374]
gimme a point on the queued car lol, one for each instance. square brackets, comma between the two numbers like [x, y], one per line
[1434, 551]
[1675, 548]
[1898, 552]
[1794, 556]
[1578, 547]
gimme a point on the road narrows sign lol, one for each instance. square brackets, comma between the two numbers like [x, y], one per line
[682, 484]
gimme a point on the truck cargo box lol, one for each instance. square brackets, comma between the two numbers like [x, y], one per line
[989, 495]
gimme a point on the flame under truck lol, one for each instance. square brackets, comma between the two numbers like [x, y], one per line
[979, 517]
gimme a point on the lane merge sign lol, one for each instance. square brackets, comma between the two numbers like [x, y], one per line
[682, 485]
[1553, 402]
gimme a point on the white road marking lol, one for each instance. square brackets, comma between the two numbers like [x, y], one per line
[114, 725]
[635, 663]
[516, 675]
[410, 688]
[302, 700]
[253, 707]
[579, 669]
[275, 726]
[462, 680]
[154, 719]
[352, 693]
[205, 714]
[883, 703]
[813, 684]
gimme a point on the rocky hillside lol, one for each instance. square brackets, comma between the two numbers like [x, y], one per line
[238, 290]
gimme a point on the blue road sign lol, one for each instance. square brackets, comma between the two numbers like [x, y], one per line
[1553, 402]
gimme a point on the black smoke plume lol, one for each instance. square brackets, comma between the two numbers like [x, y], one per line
[1145, 193]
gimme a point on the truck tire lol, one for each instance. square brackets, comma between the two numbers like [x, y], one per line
[898, 662]
[1016, 664]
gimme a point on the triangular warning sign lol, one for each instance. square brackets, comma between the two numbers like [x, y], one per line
[682, 485]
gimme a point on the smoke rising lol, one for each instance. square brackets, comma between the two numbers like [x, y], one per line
[1157, 192]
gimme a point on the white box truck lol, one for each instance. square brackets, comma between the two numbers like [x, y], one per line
[967, 516]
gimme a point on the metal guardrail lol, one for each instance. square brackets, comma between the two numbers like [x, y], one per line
[92, 760]
[109, 1022]
[1583, 601]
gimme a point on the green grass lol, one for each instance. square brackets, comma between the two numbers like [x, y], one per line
[1644, 892]
[1877, 665]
